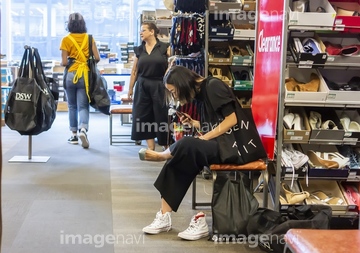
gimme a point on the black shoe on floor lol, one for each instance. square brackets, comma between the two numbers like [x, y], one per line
[73, 140]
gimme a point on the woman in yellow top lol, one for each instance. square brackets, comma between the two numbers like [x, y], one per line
[74, 55]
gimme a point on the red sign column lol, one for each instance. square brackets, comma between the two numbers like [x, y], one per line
[269, 52]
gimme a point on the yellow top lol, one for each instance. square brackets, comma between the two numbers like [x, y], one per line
[79, 52]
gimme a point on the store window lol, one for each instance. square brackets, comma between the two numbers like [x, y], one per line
[41, 23]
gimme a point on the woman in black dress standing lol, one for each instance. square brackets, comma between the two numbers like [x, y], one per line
[149, 107]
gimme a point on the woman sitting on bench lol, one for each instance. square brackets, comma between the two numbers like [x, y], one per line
[186, 157]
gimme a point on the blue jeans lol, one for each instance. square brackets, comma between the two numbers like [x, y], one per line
[78, 103]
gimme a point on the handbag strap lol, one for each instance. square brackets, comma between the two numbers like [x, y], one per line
[91, 54]
[80, 49]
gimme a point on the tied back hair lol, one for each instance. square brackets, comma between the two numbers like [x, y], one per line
[152, 26]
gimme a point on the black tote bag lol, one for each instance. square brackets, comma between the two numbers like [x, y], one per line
[30, 108]
[100, 99]
[232, 205]
[270, 226]
[242, 143]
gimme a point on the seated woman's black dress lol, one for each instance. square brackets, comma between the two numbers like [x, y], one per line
[191, 154]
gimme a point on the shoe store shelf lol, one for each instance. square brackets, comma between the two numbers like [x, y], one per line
[318, 45]
[332, 65]
[338, 211]
[307, 103]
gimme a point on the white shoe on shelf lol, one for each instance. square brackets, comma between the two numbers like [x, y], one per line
[354, 126]
[297, 122]
[345, 121]
[289, 120]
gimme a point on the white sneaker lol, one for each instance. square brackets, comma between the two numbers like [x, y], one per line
[161, 223]
[197, 229]
[84, 139]
[297, 158]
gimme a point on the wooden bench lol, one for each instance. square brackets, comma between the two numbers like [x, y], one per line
[322, 241]
[251, 167]
[125, 108]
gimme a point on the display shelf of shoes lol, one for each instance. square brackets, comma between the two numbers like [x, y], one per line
[332, 144]
[323, 15]
[237, 45]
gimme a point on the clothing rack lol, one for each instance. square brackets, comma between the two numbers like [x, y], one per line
[29, 158]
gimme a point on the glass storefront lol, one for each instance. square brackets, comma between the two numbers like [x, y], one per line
[41, 23]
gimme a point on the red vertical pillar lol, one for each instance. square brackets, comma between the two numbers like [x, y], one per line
[268, 69]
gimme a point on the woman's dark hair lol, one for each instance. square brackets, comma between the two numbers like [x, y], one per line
[184, 81]
[153, 27]
[76, 23]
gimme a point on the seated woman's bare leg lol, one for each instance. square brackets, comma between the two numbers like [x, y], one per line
[151, 144]
[165, 206]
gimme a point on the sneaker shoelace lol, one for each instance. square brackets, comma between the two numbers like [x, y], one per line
[285, 157]
[158, 219]
[194, 223]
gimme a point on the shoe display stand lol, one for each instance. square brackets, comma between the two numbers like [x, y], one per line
[327, 86]
[229, 45]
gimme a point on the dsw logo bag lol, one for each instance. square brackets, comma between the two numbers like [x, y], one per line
[30, 108]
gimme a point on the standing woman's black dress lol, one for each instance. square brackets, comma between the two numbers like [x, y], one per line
[149, 108]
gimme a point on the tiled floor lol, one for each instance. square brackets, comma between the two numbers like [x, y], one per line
[94, 200]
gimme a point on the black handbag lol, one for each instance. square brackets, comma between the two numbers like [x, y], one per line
[99, 97]
[271, 226]
[232, 205]
[242, 143]
[30, 108]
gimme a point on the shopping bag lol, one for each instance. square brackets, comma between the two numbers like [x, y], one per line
[270, 226]
[30, 108]
[242, 143]
[99, 97]
[232, 204]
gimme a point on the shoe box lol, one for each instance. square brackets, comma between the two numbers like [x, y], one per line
[348, 22]
[343, 49]
[351, 193]
[244, 25]
[351, 137]
[220, 27]
[220, 53]
[233, 7]
[313, 18]
[329, 189]
[242, 53]
[306, 57]
[304, 76]
[223, 73]
[248, 5]
[240, 82]
[329, 136]
[322, 171]
[346, 81]
[297, 135]
[163, 18]
[296, 188]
